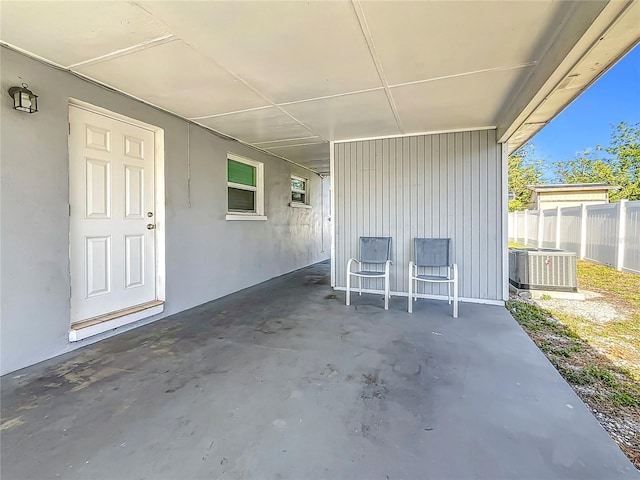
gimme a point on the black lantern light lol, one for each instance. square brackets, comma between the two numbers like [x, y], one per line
[24, 99]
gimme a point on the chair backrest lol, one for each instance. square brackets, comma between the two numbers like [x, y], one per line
[375, 249]
[432, 252]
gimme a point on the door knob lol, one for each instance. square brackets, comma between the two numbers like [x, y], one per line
[150, 226]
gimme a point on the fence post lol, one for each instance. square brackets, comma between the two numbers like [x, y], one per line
[622, 227]
[583, 231]
[513, 217]
[526, 228]
[558, 217]
[540, 228]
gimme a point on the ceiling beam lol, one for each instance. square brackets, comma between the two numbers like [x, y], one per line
[584, 25]
[364, 26]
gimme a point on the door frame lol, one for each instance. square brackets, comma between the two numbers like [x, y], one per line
[127, 317]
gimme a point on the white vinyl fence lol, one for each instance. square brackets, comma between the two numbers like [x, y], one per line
[608, 234]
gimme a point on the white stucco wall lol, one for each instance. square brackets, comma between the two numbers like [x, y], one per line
[206, 256]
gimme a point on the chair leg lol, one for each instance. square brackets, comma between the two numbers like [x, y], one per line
[410, 297]
[449, 292]
[348, 301]
[386, 293]
[455, 297]
[360, 286]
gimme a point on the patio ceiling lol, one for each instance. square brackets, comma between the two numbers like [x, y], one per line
[287, 77]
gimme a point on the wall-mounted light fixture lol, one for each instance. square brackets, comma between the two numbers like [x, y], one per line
[24, 99]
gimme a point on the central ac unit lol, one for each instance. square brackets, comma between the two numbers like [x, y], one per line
[543, 269]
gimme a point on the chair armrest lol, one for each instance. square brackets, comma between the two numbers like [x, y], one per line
[454, 269]
[387, 266]
[351, 260]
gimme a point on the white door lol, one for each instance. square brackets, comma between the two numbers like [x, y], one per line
[112, 217]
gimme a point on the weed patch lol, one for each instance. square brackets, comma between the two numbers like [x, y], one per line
[609, 391]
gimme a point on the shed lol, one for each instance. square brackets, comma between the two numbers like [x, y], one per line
[569, 195]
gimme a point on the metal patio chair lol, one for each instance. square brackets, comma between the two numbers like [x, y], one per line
[374, 251]
[433, 253]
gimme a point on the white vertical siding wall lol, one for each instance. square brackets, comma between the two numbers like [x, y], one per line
[444, 185]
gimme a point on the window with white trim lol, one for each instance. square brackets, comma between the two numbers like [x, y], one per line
[245, 188]
[299, 190]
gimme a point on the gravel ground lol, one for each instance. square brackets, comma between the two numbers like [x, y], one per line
[591, 309]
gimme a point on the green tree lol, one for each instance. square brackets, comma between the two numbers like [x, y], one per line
[617, 165]
[523, 171]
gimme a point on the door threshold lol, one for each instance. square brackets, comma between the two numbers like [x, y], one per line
[93, 326]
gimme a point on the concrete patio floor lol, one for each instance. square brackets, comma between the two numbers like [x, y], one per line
[283, 381]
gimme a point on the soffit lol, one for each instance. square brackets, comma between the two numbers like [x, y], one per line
[299, 74]
[347, 116]
[69, 33]
[609, 36]
[258, 126]
[474, 99]
[427, 40]
[303, 153]
[289, 51]
[158, 75]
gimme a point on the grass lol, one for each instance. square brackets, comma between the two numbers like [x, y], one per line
[573, 356]
[623, 285]
[617, 339]
[611, 392]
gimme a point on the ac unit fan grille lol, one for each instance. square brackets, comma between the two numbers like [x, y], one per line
[543, 269]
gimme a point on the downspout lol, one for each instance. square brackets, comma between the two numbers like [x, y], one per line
[189, 164]
[322, 211]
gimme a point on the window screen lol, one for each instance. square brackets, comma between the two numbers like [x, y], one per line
[241, 200]
[298, 190]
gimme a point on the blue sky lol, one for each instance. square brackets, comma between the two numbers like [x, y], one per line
[586, 122]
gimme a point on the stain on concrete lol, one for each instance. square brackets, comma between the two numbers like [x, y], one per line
[329, 392]
[369, 309]
[10, 423]
[329, 371]
[311, 280]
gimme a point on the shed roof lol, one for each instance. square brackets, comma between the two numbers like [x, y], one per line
[570, 187]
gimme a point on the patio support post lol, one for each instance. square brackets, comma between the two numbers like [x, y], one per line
[332, 211]
[505, 208]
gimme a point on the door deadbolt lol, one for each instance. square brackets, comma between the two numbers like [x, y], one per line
[149, 214]
[150, 226]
